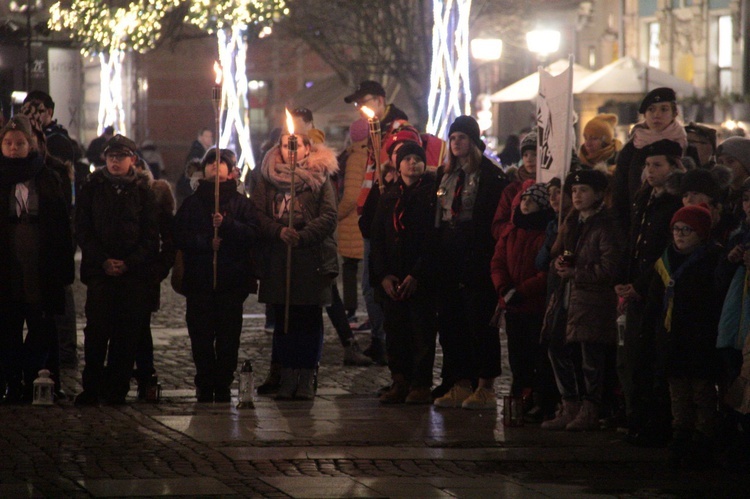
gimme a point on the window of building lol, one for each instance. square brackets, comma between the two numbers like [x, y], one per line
[653, 44]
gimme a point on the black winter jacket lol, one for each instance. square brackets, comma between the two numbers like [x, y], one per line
[194, 232]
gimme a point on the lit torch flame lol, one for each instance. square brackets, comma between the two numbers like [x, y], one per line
[368, 112]
[219, 72]
[289, 122]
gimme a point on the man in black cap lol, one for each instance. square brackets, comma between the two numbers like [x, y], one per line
[117, 231]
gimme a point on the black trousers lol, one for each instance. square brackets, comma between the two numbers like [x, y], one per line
[115, 310]
[410, 330]
[214, 322]
[21, 359]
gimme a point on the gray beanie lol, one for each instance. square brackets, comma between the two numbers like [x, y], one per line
[738, 148]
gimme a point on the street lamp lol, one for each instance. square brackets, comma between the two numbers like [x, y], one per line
[485, 50]
[543, 42]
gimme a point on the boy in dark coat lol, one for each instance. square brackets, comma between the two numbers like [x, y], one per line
[118, 234]
[684, 307]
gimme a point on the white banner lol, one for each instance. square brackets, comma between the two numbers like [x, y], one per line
[554, 119]
[65, 88]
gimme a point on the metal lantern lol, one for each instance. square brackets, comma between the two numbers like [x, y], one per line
[44, 389]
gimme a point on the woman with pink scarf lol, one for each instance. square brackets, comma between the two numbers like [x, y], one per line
[659, 110]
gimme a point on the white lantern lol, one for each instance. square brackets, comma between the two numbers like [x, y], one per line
[44, 389]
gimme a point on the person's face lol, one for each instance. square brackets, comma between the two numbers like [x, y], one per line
[746, 204]
[375, 103]
[528, 205]
[460, 144]
[119, 162]
[658, 170]
[659, 115]
[411, 168]
[702, 146]
[209, 173]
[529, 160]
[15, 145]
[555, 194]
[206, 138]
[691, 198]
[593, 143]
[739, 174]
[584, 197]
[302, 149]
[685, 238]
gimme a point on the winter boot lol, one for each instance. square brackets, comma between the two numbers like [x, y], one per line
[376, 351]
[565, 416]
[587, 418]
[398, 391]
[288, 383]
[353, 356]
[306, 385]
[271, 384]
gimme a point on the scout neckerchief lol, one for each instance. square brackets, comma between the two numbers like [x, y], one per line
[669, 279]
[456, 204]
[399, 208]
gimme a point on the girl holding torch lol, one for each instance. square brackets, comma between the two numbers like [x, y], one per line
[297, 209]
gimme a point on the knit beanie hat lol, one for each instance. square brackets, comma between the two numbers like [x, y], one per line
[529, 142]
[601, 125]
[19, 123]
[697, 217]
[538, 193]
[738, 148]
[359, 130]
[401, 134]
[469, 126]
[409, 147]
[701, 180]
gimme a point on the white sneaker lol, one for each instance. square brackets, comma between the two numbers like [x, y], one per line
[482, 398]
[455, 396]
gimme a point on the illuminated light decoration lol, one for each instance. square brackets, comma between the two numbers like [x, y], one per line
[231, 20]
[100, 27]
[450, 93]
[111, 106]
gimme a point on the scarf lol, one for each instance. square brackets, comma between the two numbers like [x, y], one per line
[205, 192]
[17, 170]
[533, 221]
[642, 136]
[669, 278]
[405, 194]
[279, 173]
[120, 181]
[524, 175]
[601, 156]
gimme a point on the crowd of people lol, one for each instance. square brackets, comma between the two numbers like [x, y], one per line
[622, 288]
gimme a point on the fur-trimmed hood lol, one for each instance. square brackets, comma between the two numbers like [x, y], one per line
[311, 171]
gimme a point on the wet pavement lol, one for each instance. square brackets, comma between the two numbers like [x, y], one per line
[342, 444]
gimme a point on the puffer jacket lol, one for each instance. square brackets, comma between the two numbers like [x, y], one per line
[121, 226]
[592, 310]
[351, 244]
[315, 259]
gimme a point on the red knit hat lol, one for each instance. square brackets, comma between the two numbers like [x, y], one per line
[698, 217]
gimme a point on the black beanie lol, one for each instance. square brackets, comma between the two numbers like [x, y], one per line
[469, 126]
[409, 147]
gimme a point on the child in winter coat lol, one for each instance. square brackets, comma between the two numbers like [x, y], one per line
[588, 253]
[684, 307]
[521, 289]
[646, 397]
[214, 313]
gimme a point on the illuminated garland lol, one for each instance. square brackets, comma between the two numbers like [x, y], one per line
[214, 15]
[450, 93]
[99, 27]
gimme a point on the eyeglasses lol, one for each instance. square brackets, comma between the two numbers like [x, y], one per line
[362, 102]
[117, 156]
[683, 231]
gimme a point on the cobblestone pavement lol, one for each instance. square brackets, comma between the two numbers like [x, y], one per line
[343, 444]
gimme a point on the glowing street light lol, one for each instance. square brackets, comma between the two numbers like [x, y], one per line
[543, 42]
[486, 49]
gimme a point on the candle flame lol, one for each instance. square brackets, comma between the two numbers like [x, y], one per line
[368, 112]
[289, 122]
[219, 72]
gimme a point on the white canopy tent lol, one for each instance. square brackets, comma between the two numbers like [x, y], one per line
[526, 89]
[631, 76]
